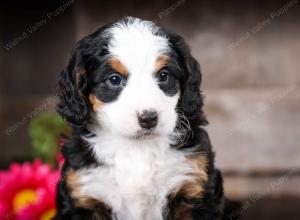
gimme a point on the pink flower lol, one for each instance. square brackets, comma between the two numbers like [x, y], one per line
[27, 191]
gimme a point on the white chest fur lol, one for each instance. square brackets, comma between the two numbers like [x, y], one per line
[135, 178]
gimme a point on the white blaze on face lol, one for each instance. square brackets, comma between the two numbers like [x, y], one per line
[138, 49]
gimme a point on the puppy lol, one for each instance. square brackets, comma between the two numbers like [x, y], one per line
[138, 149]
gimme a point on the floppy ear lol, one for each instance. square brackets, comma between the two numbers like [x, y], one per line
[191, 100]
[72, 104]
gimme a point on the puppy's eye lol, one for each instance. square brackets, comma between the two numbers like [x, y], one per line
[115, 80]
[162, 76]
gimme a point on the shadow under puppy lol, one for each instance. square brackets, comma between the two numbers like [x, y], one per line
[138, 150]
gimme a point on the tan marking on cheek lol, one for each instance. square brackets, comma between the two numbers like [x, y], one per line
[160, 62]
[96, 103]
[82, 201]
[118, 66]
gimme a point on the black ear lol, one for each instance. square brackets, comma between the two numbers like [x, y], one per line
[191, 100]
[72, 104]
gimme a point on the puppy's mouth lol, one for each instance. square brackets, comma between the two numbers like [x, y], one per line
[145, 133]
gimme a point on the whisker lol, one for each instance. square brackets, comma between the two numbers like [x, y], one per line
[183, 130]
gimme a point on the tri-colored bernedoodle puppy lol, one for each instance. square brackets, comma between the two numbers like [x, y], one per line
[138, 149]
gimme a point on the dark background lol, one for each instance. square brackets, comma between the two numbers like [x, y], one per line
[251, 78]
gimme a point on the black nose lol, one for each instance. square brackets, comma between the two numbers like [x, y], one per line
[148, 119]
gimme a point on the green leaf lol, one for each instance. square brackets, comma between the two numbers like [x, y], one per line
[45, 130]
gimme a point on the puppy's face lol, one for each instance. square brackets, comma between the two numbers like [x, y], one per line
[136, 85]
[132, 77]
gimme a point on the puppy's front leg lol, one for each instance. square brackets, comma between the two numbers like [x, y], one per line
[188, 197]
[205, 205]
[72, 205]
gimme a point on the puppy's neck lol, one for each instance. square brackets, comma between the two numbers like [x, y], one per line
[108, 146]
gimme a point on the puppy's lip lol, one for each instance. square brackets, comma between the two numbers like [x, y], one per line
[144, 133]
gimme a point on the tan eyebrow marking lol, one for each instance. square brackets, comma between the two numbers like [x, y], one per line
[160, 62]
[96, 103]
[117, 65]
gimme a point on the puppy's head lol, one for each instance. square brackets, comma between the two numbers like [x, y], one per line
[131, 78]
